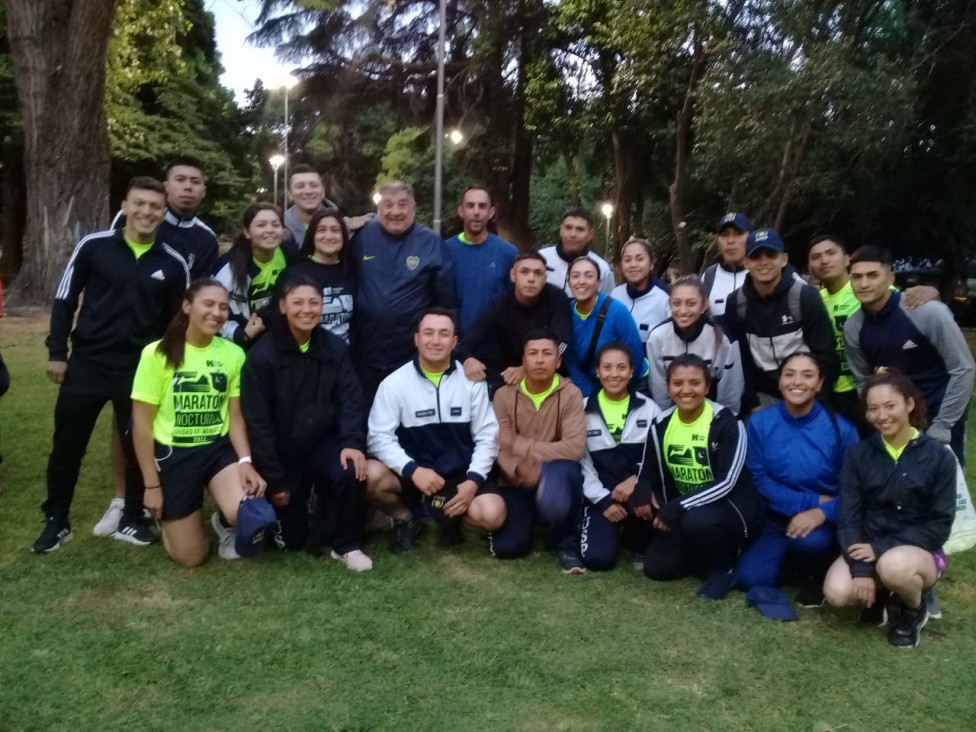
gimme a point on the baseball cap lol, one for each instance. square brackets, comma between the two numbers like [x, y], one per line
[739, 220]
[764, 239]
[254, 515]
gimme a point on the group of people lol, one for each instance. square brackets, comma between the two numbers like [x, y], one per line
[740, 426]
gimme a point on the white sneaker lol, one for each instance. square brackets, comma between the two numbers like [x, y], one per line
[108, 524]
[227, 537]
[354, 560]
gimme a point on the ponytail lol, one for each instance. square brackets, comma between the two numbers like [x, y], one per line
[172, 346]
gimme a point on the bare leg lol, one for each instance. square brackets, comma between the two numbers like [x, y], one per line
[185, 541]
[227, 491]
[839, 585]
[486, 512]
[383, 490]
[907, 571]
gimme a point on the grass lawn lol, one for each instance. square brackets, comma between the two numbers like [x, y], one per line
[102, 635]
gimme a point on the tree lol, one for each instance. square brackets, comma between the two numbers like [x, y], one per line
[59, 48]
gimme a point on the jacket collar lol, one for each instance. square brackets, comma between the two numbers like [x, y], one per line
[569, 259]
[593, 403]
[732, 269]
[809, 417]
[695, 333]
[449, 370]
[784, 284]
[174, 218]
[894, 302]
[285, 343]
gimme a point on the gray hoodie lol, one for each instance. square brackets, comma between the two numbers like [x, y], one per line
[295, 226]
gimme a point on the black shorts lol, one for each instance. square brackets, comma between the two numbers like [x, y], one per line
[185, 471]
[432, 507]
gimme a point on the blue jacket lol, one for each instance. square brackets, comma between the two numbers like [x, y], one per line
[619, 326]
[399, 278]
[795, 460]
[482, 273]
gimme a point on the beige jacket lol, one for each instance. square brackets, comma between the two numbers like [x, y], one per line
[556, 432]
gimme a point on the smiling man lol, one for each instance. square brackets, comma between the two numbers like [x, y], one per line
[403, 270]
[924, 343]
[575, 236]
[481, 260]
[773, 316]
[432, 432]
[132, 285]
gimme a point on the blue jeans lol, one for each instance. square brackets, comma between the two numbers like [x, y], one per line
[556, 501]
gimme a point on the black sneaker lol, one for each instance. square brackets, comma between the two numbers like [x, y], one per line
[907, 632]
[56, 532]
[810, 595]
[404, 533]
[134, 531]
[932, 604]
[570, 562]
[877, 615]
[449, 533]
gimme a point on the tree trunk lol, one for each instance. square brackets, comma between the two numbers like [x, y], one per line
[58, 48]
[623, 166]
[682, 148]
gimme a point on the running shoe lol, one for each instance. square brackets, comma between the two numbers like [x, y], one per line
[108, 524]
[56, 532]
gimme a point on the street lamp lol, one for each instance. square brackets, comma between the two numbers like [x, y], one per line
[287, 82]
[607, 210]
[377, 198]
[439, 118]
[457, 137]
[276, 160]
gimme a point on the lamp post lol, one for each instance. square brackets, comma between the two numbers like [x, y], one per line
[607, 210]
[377, 198]
[288, 83]
[276, 160]
[439, 117]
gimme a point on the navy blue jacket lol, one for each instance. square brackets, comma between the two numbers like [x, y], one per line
[887, 504]
[192, 238]
[399, 278]
[926, 345]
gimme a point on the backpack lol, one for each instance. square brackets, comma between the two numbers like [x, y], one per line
[792, 302]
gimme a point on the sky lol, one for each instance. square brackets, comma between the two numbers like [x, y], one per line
[243, 63]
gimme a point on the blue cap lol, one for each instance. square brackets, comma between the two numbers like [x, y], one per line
[254, 515]
[771, 602]
[764, 239]
[739, 220]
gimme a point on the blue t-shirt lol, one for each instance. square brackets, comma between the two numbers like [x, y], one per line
[481, 273]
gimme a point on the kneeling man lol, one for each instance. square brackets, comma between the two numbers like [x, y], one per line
[432, 434]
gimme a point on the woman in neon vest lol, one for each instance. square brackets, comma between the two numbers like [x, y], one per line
[693, 485]
[189, 433]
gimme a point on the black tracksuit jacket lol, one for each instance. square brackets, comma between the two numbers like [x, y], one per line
[292, 401]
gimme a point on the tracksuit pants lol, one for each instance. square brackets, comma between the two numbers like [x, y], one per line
[81, 398]
[600, 539]
[706, 540]
[338, 506]
[774, 555]
[556, 501]
[959, 433]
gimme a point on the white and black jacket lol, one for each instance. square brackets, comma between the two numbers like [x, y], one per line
[648, 308]
[450, 428]
[726, 455]
[606, 463]
[709, 342]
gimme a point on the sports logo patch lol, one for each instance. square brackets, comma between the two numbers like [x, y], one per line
[425, 413]
[455, 411]
[642, 423]
[412, 262]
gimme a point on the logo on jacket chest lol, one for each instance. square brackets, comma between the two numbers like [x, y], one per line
[786, 319]
[425, 413]
[413, 262]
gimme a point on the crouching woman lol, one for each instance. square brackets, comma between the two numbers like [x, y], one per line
[188, 433]
[896, 507]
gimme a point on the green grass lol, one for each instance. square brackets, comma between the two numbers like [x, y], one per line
[101, 635]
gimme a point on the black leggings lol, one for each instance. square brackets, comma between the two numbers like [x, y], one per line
[706, 540]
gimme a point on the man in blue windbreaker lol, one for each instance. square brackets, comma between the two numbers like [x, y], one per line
[403, 270]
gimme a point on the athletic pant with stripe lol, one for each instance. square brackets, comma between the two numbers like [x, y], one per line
[85, 392]
[600, 539]
[338, 506]
[707, 539]
[774, 556]
[556, 502]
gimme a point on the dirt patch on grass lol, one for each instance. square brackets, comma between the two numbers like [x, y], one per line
[151, 595]
[459, 570]
[13, 325]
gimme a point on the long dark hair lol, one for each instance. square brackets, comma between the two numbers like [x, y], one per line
[241, 252]
[173, 344]
[919, 416]
[308, 246]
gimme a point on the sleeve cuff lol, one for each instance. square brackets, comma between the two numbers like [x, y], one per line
[478, 478]
[604, 503]
[409, 469]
